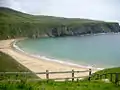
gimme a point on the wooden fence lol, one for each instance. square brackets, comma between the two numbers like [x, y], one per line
[47, 74]
[113, 77]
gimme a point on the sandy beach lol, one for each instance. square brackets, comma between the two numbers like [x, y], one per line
[37, 64]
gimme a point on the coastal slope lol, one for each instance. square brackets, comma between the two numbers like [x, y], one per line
[14, 24]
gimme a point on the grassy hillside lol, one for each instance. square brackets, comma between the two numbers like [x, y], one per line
[16, 16]
[108, 72]
[15, 24]
[8, 64]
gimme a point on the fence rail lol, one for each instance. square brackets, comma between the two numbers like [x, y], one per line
[48, 73]
[44, 72]
[113, 77]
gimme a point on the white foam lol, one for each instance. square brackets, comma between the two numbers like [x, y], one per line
[16, 47]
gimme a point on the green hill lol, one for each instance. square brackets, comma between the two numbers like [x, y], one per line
[8, 64]
[108, 73]
[16, 16]
[109, 70]
[15, 24]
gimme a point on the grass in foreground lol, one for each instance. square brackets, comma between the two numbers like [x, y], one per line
[8, 64]
[51, 85]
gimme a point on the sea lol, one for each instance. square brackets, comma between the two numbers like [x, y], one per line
[97, 50]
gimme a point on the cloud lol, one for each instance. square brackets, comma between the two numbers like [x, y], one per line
[12, 4]
[28, 6]
[4, 3]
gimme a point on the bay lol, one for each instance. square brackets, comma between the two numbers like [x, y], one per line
[99, 51]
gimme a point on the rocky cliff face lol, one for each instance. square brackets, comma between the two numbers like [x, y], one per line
[90, 28]
[33, 30]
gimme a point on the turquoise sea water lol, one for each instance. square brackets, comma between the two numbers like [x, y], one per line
[95, 50]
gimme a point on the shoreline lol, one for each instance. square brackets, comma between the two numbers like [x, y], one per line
[14, 46]
[56, 60]
[39, 64]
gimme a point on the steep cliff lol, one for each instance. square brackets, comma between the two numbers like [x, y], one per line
[86, 28]
[15, 24]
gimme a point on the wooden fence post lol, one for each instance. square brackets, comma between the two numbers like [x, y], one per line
[72, 75]
[111, 77]
[47, 75]
[100, 76]
[4, 75]
[90, 72]
[16, 76]
[105, 76]
[116, 78]
[97, 77]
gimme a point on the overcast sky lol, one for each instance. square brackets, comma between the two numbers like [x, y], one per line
[94, 9]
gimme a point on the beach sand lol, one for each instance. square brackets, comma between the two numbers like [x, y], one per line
[37, 64]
